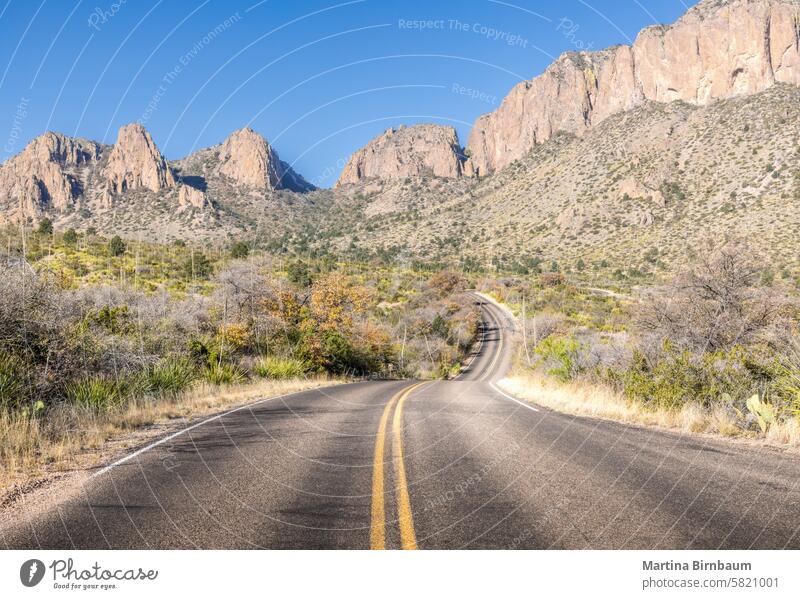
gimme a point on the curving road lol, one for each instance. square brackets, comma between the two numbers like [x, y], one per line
[431, 465]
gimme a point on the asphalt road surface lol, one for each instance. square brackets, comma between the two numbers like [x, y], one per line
[431, 465]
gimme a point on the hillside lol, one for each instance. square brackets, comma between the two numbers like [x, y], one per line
[637, 191]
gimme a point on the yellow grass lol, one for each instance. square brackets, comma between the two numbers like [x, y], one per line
[585, 399]
[71, 438]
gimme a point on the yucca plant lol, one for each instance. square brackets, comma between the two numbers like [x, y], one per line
[95, 393]
[11, 384]
[273, 367]
[224, 374]
[170, 375]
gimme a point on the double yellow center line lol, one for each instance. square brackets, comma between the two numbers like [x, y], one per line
[377, 534]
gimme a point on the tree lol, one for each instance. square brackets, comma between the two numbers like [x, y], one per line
[240, 250]
[45, 227]
[116, 246]
[717, 303]
[298, 272]
[70, 237]
[197, 266]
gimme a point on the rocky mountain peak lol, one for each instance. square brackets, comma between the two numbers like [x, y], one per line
[45, 175]
[135, 162]
[719, 49]
[248, 160]
[407, 152]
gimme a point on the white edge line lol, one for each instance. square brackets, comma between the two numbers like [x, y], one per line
[194, 426]
[514, 399]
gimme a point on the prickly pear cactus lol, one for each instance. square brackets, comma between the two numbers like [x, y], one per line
[764, 412]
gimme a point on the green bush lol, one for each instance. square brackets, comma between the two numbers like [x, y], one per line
[116, 247]
[299, 273]
[197, 266]
[240, 250]
[70, 237]
[680, 377]
[225, 374]
[45, 227]
[561, 354]
[273, 367]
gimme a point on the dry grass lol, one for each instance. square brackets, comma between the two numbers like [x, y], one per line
[70, 438]
[585, 399]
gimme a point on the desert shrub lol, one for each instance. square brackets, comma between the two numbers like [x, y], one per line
[541, 326]
[70, 237]
[560, 357]
[197, 266]
[45, 227]
[680, 377]
[717, 304]
[115, 319]
[240, 250]
[447, 282]
[299, 273]
[224, 374]
[116, 247]
[273, 367]
[785, 390]
[552, 279]
[328, 350]
[235, 336]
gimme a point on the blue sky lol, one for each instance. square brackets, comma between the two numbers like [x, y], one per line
[317, 78]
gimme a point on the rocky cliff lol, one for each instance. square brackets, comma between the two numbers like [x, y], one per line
[407, 152]
[47, 175]
[248, 160]
[719, 49]
[135, 162]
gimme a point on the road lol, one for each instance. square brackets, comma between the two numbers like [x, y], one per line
[428, 465]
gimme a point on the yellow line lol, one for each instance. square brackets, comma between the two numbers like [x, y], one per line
[377, 533]
[408, 540]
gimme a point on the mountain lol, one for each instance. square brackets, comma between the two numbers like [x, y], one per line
[135, 162]
[719, 49]
[131, 188]
[637, 192]
[624, 159]
[246, 161]
[49, 174]
[407, 152]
